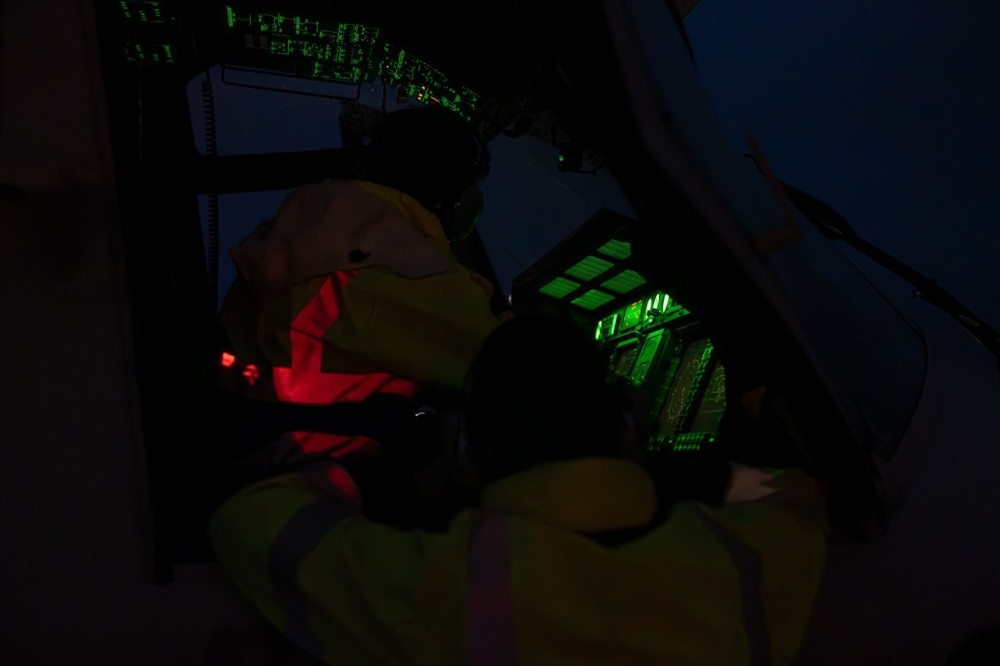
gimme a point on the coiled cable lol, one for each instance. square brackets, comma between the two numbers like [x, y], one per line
[212, 222]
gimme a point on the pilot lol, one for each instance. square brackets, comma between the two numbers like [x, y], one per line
[565, 559]
[351, 296]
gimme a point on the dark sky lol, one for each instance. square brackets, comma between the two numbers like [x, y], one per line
[890, 111]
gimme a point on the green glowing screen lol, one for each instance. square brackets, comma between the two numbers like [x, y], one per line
[149, 32]
[592, 300]
[588, 268]
[559, 287]
[633, 313]
[625, 282]
[616, 249]
[348, 53]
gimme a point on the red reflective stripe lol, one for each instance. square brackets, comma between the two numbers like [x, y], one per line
[336, 445]
[305, 382]
[334, 481]
[489, 602]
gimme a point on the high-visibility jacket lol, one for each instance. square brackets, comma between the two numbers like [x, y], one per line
[350, 291]
[526, 578]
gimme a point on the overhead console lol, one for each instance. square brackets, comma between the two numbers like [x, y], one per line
[606, 274]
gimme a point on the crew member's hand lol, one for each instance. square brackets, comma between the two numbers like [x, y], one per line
[748, 484]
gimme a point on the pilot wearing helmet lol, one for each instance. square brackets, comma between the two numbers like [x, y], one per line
[351, 296]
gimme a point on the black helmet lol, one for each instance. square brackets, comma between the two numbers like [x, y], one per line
[430, 153]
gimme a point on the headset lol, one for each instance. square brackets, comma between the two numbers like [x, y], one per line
[458, 214]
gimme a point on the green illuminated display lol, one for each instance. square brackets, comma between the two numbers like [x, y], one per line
[694, 445]
[607, 327]
[157, 54]
[633, 314]
[592, 300]
[625, 282]
[156, 22]
[559, 287]
[646, 356]
[349, 53]
[424, 83]
[146, 11]
[611, 324]
[616, 249]
[339, 52]
[589, 268]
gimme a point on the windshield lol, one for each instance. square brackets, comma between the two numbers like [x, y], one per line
[530, 204]
[873, 355]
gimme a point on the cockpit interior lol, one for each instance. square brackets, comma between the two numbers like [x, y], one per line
[220, 108]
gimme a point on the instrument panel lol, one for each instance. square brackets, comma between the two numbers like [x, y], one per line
[653, 343]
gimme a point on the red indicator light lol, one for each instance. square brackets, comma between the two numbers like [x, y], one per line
[251, 373]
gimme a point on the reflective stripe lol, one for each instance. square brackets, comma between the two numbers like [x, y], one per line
[489, 602]
[749, 570]
[333, 480]
[300, 537]
[334, 445]
[305, 381]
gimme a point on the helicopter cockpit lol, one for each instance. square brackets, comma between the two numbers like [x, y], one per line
[220, 108]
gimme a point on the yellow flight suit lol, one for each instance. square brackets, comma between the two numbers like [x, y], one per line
[524, 579]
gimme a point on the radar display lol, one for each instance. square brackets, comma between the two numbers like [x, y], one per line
[676, 405]
[713, 403]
